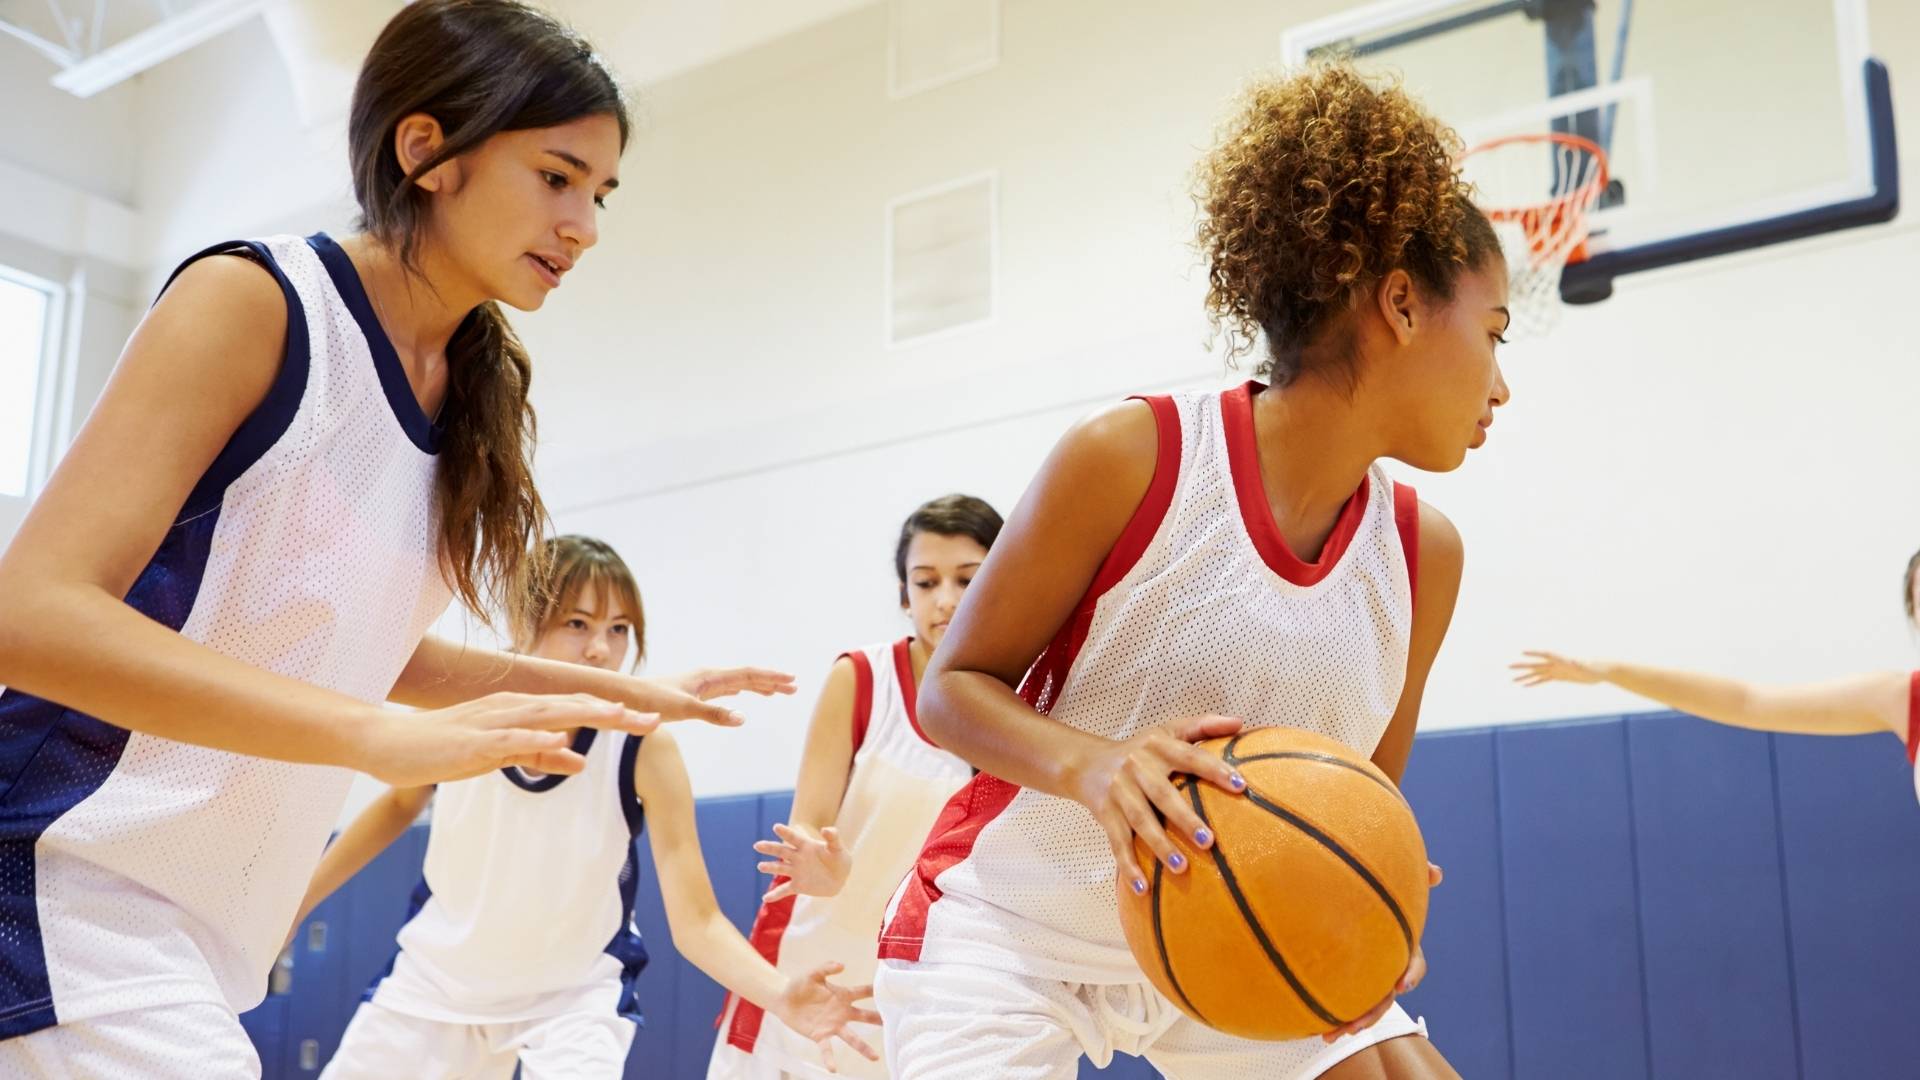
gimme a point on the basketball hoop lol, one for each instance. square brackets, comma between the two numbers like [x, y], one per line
[1539, 236]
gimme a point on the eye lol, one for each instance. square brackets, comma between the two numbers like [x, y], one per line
[600, 201]
[576, 624]
[622, 629]
[1499, 339]
[556, 181]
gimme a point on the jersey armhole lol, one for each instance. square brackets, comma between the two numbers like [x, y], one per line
[270, 419]
[862, 698]
[1913, 716]
[630, 806]
[1145, 522]
[1406, 518]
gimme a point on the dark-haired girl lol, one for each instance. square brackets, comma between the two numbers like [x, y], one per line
[1188, 566]
[870, 784]
[309, 447]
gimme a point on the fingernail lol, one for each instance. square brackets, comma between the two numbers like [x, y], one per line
[1203, 837]
[1139, 886]
[1177, 861]
[1239, 783]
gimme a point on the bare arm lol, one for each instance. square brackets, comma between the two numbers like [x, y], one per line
[200, 362]
[443, 673]
[1441, 557]
[1855, 705]
[808, 853]
[1039, 568]
[701, 933]
[372, 832]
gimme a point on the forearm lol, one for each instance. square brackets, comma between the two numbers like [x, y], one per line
[1812, 710]
[56, 641]
[370, 834]
[979, 718]
[443, 673]
[712, 944]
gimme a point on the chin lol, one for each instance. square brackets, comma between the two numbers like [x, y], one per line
[1438, 459]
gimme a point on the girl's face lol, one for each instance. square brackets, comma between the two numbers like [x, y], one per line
[515, 214]
[1447, 376]
[939, 569]
[588, 630]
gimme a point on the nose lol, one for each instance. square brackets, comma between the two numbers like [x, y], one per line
[1501, 395]
[597, 647]
[581, 229]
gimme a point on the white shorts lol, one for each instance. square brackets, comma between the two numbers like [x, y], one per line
[380, 1044]
[960, 1022]
[192, 1041]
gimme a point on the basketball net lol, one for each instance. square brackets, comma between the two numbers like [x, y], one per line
[1539, 237]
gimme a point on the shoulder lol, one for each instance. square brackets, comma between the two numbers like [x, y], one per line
[226, 316]
[1441, 549]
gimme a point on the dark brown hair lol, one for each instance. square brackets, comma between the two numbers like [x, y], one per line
[479, 67]
[1906, 594]
[567, 565]
[1320, 185]
[948, 515]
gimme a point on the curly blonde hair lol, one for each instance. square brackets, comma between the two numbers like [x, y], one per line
[1322, 183]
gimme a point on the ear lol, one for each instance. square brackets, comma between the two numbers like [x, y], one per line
[1398, 303]
[417, 138]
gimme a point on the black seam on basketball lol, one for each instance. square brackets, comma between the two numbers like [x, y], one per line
[1160, 942]
[1253, 924]
[1328, 842]
[1327, 759]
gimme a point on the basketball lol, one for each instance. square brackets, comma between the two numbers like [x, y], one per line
[1304, 913]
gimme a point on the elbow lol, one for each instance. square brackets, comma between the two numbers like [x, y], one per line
[936, 708]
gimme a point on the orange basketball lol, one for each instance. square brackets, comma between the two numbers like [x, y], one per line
[1305, 911]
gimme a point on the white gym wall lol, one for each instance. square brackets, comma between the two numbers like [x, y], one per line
[1714, 468]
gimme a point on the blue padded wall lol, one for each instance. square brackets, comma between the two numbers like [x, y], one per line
[1645, 896]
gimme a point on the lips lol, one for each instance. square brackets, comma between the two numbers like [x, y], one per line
[550, 267]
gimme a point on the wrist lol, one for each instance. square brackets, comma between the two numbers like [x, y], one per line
[353, 740]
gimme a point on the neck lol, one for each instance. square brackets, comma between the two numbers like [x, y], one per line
[418, 310]
[1316, 443]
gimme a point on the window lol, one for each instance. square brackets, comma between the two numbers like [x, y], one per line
[25, 305]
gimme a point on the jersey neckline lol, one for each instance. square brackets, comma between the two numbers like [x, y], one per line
[423, 432]
[1243, 460]
[582, 742]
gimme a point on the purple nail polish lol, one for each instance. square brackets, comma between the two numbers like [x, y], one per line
[1203, 837]
[1177, 861]
[1239, 782]
[1139, 887]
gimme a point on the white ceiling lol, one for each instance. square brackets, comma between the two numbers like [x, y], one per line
[647, 40]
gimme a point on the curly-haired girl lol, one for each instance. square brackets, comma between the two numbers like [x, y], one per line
[1187, 566]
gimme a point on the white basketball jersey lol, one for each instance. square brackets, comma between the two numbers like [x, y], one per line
[136, 871]
[897, 785]
[1200, 608]
[526, 910]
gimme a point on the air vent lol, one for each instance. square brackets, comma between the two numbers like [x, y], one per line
[934, 42]
[941, 256]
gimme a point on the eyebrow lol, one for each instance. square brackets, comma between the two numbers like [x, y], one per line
[610, 183]
[935, 569]
[622, 617]
[1502, 309]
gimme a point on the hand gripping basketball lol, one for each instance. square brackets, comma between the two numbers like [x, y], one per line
[1126, 786]
[1304, 915]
